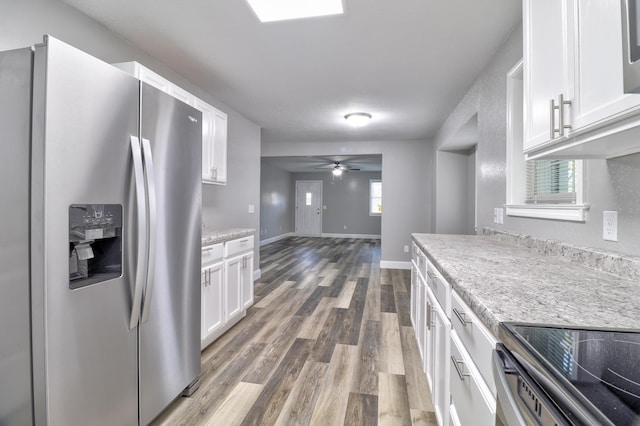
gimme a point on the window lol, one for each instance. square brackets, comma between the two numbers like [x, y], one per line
[375, 197]
[551, 181]
[546, 189]
[307, 200]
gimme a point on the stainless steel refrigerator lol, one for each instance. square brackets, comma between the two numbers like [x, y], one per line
[99, 242]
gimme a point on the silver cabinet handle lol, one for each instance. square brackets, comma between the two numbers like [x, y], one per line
[244, 241]
[141, 207]
[459, 366]
[431, 275]
[428, 316]
[149, 173]
[552, 120]
[561, 104]
[462, 317]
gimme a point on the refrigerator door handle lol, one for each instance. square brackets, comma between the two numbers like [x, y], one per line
[149, 173]
[141, 271]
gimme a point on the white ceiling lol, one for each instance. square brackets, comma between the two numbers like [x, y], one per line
[407, 62]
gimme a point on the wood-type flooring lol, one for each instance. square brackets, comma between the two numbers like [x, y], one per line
[328, 341]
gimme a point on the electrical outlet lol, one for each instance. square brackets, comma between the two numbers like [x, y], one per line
[252, 208]
[610, 225]
[495, 215]
[500, 215]
[345, 227]
[406, 249]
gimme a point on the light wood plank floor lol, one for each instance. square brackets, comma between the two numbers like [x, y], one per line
[328, 342]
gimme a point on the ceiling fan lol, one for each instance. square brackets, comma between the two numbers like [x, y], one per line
[337, 168]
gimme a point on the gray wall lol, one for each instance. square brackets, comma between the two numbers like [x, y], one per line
[347, 201]
[276, 202]
[23, 23]
[455, 197]
[406, 186]
[610, 184]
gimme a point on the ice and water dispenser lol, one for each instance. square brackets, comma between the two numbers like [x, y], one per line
[95, 243]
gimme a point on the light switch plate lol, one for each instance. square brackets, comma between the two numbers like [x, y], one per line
[610, 225]
[252, 208]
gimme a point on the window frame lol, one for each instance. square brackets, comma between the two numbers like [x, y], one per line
[371, 197]
[516, 165]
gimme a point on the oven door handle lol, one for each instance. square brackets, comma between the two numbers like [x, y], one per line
[507, 406]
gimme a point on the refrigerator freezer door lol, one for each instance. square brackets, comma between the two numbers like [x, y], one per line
[170, 338]
[81, 155]
[15, 338]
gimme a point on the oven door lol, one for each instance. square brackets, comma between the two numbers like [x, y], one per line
[631, 45]
[520, 401]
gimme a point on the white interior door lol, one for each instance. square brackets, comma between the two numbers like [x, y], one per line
[309, 208]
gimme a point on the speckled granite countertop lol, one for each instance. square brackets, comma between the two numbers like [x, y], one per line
[502, 281]
[221, 235]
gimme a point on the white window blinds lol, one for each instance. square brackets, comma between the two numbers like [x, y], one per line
[551, 181]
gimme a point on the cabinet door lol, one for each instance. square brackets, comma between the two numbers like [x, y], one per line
[421, 307]
[153, 79]
[414, 290]
[212, 300]
[247, 281]
[599, 83]
[441, 379]
[219, 154]
[548, 65]
[181, 94]
[233, 286]
[430, 341]
[208, 113]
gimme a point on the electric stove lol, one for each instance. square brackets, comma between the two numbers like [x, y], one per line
[591, 376]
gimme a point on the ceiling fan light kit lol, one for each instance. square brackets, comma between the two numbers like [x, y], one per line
[358, 119]
[337, 171]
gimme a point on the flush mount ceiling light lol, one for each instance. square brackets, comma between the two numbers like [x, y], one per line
[281, 10]
[358, 119]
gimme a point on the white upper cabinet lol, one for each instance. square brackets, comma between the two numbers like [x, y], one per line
[214, 122]
[573, 49]
[600, 94]
[548, 68]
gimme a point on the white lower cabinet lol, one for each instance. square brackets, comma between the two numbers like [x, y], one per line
[227, 286]
[471, 399]
[456, 350]
[441, 329]
[233, 279]
[212, 309]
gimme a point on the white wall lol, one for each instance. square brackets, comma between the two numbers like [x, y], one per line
[23, 23]
[610, 184]
[406, 186]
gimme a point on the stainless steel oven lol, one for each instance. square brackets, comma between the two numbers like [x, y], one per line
[550, 375]
[631, 45]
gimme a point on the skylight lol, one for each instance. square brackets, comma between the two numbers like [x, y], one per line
[281, 10]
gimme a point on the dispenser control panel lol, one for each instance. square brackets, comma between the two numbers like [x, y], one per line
[95, 243]
[94, 221]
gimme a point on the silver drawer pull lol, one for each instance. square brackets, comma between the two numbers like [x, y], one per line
[462, 317]
[431, 275]
[459, 365]
[244, 241]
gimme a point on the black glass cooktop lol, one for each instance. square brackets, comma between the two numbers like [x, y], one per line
[602, 367]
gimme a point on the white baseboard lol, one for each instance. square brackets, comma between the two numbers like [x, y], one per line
[390, 264]
[257, 274]
[365, 236]
[276, 238]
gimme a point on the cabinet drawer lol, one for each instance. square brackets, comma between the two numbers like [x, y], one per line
[238, 246]
[473, 402]
[440, 288]
[476, 338]
[211, 254]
